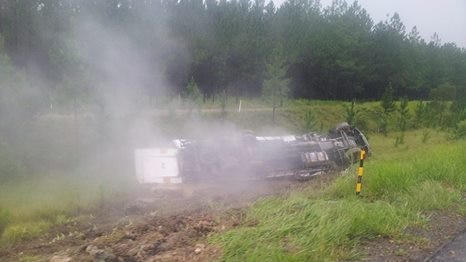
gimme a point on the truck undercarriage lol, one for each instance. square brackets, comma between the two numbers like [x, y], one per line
[245, 156]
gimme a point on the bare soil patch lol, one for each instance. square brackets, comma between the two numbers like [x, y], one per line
[158, 223]
[172, 224]
[422, 243]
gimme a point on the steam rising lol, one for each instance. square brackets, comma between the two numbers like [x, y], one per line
[127, 82]
[105, 107]
[116, 101]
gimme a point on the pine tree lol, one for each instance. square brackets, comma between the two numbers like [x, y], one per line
[276, 86]
[388, 106]
[403, 117]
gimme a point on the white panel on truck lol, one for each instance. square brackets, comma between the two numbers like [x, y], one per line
[157, 165]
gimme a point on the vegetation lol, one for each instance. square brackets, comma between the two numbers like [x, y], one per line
[192, 95]
[44, 199]
[461, 129]
[275, 87]
[388, 106]
[29, 207]
[403, 117]
[82, 83]
[108, 62]
[310, 123]
[351, 113]
[328, 224]
[4, 219]
[335, 52]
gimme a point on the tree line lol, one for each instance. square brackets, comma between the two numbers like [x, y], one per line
[230, 47]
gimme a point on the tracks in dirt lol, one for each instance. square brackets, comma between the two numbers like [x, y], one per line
[171, 224]
[156, 224]
[175, 221]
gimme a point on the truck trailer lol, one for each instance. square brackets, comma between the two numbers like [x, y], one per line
[243, 156]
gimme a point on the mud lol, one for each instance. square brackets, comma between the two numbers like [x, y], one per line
[419, 243]
[172, 224]
[158, 223]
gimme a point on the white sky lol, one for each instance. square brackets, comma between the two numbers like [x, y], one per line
[446, 17]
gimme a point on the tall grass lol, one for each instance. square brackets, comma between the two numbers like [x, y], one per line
[395, 175]
[303, 229]
[256, 115]
[37, 203]
[4, 219]
[400, 188]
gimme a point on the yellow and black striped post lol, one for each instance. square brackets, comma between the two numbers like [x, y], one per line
[360, 170]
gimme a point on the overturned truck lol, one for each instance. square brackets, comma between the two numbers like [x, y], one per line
[245, 156]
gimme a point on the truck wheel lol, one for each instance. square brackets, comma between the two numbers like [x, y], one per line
[342, 127]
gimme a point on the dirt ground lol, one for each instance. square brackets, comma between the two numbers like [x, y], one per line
[422, 244]
[454, 251]
[171, 224]
[164, 223]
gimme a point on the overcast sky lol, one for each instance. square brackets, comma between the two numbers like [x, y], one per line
[446, 17]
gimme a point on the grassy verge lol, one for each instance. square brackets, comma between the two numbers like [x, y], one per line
[401, 187]
[29, 207]
[31, 203]
[257, 115]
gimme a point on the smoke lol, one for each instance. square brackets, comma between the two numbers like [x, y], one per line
[126, 80]
[113, 94]
[125, 77]
[111, 77]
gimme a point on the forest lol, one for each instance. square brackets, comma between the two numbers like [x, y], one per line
[100, 65]
[85, 83]
[337, 52]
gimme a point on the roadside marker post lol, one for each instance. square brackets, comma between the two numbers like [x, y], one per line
[360, 170]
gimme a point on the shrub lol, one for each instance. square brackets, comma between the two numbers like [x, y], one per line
[310, 122]
[9, 167]
[402, 120]
[350, 114]
[443, 92]
[420, 114]
[425, 136]
[435, 113]
[193, 95]
[460, 131]
[388, 102]
[4, 219]
[24, 231]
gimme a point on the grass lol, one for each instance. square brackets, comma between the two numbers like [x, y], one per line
[26, 258]
[31, 206]
[4, 219]
[400, 188]
[257, 115]
[25, 231]
[398, 179]
[303, 229]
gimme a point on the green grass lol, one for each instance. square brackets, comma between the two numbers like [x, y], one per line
[24, 231]
[396, 177]
[4, 219]
[32, 205]
[303, 229]
[401, 186]
[257, 115]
